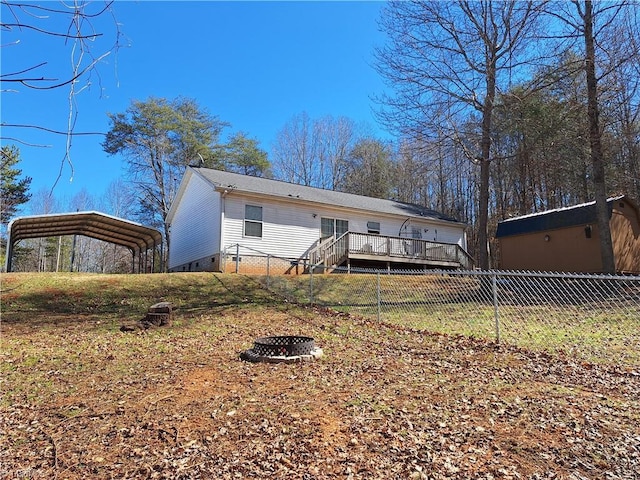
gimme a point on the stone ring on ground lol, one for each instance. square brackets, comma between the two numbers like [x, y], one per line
[282, 349]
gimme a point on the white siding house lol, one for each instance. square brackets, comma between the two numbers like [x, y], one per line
[219, 212]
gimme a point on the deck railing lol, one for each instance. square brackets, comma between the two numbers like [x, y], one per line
[332, 251]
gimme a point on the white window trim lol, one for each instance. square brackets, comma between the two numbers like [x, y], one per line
[373, 231]
[245, 220]
[335, 221]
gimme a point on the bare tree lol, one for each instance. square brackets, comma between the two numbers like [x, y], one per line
[595, 29]
[119, 200]
[82, 201]
[444, 61]
[312, 152]
[409, 174]
[368, 169]
[540, 153]
[43, 202]
[335, 137]
[625, 123]
[585, 11]
[73, 31]
[295, 152]
[38, 250]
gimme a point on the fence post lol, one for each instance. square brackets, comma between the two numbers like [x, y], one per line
[495, 306]
[378, 293]
[311, 287]
[268, 270]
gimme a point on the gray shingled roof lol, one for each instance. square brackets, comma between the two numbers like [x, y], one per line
[243, 183]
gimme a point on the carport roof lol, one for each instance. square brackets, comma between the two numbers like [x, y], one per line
[91, 224]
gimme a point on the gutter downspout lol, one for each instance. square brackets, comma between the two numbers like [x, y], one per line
[223, 195]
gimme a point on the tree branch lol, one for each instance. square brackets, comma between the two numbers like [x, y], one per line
[13, 139]
[67, 82]
[58, 132]
[21, 72]
[9, 26]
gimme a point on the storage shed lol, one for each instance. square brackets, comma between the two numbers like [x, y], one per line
[567, 239]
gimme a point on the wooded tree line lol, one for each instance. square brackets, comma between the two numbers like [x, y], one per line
[529, 92]
[500, 109]
[496, 109]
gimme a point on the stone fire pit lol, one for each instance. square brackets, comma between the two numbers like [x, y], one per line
[285, 348]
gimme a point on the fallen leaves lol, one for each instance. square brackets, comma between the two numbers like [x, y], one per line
[81, 401]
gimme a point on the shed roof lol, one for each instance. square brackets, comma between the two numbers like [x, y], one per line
[92, 224]
[565, 217]
[263, 186]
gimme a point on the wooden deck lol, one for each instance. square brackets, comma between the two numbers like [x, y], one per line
[383, 251]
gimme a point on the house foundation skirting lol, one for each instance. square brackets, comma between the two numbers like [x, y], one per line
[204, 264]
[247, 264]
[262, 265]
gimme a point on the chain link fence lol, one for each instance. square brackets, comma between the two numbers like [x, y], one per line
[595, 318]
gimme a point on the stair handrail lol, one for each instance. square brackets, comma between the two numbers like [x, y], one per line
[319, 255]
[464, 259]
[315, 256]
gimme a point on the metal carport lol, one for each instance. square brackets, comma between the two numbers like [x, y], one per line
[136, 237]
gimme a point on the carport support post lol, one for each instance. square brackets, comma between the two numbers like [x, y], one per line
[9, 252]
[73, 253]
[494, 284]
[58, 256]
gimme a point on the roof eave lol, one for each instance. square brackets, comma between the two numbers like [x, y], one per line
[226, 190]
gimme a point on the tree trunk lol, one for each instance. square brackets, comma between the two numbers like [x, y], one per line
[597, 157]
[483, 216]
[485, 162]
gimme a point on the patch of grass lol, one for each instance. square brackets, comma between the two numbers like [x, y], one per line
[370, 404]
[605, 330]
[119, 296]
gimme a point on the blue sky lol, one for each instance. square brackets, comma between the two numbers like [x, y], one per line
[253, 64]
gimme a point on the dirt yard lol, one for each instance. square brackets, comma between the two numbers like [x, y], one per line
[81, 399]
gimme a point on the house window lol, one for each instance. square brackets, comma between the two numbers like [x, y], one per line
[252, 221]
[373, 228]
[342, 227]
[333, 227]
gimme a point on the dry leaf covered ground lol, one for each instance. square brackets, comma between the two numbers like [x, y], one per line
[81, 399]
